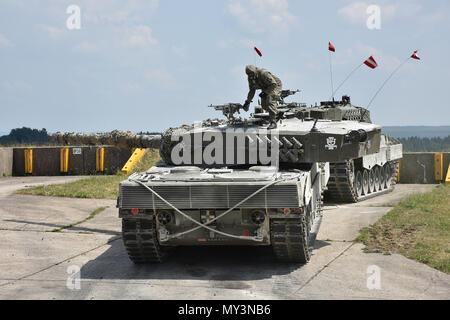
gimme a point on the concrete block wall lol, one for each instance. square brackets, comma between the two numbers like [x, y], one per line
[419, 167]
[82, 160]
[6, 161]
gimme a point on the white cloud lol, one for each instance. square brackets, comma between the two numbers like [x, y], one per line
[241, 43]
[139, 36]
[4, 42]
[262, 15]
[355, 12]
[15, 85]
[52, 32]
[180, 51]
[162, 78]
[130, 87]
[86, 47]
[116, 11]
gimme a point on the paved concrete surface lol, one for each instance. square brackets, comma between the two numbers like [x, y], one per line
[35, 264]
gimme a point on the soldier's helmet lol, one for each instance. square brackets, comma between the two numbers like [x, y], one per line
[250, 69]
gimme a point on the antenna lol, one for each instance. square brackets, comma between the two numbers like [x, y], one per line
[331, 49]
[414, 56]
[349, 75]
[384, 83]
[331, 76]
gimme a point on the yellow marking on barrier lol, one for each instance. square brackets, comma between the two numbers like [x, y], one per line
[398, 171]
[447, 179]
[100, 159]
[135, 156]
[64, 159]
[28, 153]
[438, 166]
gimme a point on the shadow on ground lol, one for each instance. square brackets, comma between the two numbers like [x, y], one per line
[64, 227]
[222, 263]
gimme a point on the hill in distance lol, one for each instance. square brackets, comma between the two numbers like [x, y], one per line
[417, 131]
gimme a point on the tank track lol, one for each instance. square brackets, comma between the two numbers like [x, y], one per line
[141, 242]
[293, 238]
[341, 187]
[289, 239]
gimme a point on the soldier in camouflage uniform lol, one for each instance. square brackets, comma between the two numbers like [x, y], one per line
[270, 85]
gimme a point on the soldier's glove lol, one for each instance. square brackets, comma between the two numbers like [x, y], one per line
[263, 95]
[246, 106]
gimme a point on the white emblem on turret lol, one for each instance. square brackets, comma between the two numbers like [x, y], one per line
[331, 143]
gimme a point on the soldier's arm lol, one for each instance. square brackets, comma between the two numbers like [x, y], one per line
[251, 93]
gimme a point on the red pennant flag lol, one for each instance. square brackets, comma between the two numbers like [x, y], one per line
[414, 55]
[371, 63]
[331, 47]
[258, 52]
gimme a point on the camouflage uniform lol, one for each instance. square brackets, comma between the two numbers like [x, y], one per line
[270, 85]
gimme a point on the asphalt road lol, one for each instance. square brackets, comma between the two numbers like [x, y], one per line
[38, 264]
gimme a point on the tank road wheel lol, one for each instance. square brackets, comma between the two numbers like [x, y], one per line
[365, 179]
[377, 178]
[141, 242]
[289, 238]
[359, 184]
[387, 175]
[371, 180]
[382, 178]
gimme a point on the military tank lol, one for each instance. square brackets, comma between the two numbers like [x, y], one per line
[234, 182]
[366, 176]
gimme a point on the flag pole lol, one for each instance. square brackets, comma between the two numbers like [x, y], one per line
[384, 83]
[382, 86]
[331, 77]
[349, 75]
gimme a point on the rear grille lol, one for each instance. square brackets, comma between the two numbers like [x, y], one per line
[209, 196]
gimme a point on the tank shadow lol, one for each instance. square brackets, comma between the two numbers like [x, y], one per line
[191, 263]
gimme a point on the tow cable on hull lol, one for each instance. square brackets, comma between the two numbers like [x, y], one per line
[165, 236]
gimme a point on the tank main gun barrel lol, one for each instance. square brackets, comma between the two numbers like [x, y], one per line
[124, 139]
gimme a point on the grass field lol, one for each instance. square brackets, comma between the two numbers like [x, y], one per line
[417, 228]
[96, 186]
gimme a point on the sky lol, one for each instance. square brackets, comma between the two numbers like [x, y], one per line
[153, 64]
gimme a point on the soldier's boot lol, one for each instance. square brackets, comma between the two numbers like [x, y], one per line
[273, 120]
[272, 125]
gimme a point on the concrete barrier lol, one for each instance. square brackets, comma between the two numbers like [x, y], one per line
[419, 167]
[81, 160]
[6, 161]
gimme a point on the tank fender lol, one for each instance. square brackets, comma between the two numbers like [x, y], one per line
[306, 191]
[371, 160]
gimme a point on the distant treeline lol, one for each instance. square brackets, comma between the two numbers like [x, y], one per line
[149, 133]
[25, 136]
[416, 144]
[20, 136]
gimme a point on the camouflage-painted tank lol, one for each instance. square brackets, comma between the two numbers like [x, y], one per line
[210, 193]
[365, 176]
[256, 187]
